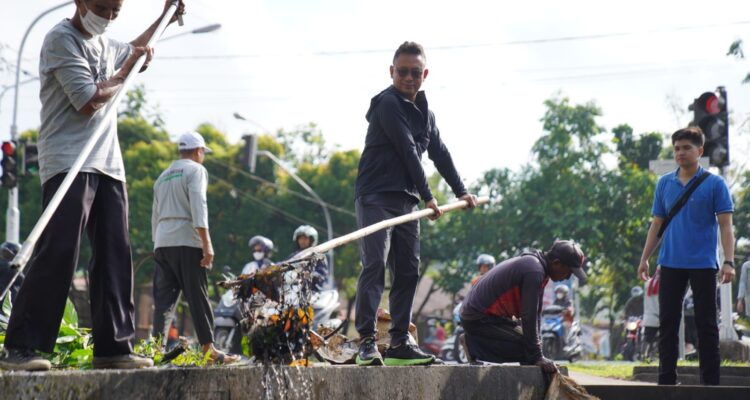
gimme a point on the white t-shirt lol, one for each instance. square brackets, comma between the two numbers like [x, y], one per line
[180, 205]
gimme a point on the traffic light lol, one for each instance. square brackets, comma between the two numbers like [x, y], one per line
[30, 159]
[710, 114]
[249, 151]
[9, 165]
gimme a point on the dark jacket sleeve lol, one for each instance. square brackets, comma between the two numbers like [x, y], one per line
[530, 318]
[396, 127]
[439, 154]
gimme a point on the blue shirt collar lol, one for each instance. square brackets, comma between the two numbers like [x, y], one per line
[675, 175]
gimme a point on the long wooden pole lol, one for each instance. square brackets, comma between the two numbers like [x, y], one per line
[360, 233]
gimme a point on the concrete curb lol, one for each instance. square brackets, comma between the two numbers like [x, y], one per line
[343, 382]
[650, 392]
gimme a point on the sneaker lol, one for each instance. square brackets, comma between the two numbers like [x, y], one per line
[23, 360]
[124, 361]
[407, 354]
[368, 352]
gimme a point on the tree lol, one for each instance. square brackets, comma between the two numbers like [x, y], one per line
[735, 49]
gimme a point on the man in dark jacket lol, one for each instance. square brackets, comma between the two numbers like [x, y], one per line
[390, 182]
[501, 313]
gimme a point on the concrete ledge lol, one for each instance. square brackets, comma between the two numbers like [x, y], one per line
[342, 382]
[606, 392]
[730, 376]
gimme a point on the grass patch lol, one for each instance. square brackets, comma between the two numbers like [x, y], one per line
[605, 369]
[625, 370]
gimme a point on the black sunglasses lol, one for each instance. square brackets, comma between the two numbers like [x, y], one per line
[416, 73]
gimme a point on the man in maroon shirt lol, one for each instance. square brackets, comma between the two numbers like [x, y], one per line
[501, 313]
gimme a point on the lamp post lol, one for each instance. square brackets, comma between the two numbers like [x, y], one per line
[13, 216]
[277, 161]
[203, 29]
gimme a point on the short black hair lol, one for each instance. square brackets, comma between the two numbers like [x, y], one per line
[408, 47]
[692, 133]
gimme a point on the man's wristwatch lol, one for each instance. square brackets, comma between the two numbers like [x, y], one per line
[730, 263]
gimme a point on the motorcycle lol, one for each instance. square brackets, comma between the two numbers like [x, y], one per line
[326, 308]
[453, 350]
[630, 349]
[227, 321]
[556, 343]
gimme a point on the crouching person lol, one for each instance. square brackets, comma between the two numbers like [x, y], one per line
[501, 313]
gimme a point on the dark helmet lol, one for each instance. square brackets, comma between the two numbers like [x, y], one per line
[306, 230]
[8, 250]
[486, 259]
[263, 241]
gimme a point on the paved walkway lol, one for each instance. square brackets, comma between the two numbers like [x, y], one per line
[586, 379]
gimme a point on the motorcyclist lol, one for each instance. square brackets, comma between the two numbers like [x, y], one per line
[8, 251]
[484, 262]
[562, 299]
[634, 305]
[261, 248]
[304, 237]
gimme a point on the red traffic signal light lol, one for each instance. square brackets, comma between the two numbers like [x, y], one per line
[9, 165]
[9, 149]
[710, 114]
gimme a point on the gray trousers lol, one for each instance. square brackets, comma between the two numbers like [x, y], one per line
[398, 248]
[178, 269]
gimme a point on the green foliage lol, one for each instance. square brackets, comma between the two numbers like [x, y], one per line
[735, 49]
[74, 346]
[568, 192]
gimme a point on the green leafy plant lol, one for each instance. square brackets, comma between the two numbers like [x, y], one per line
[74, 347]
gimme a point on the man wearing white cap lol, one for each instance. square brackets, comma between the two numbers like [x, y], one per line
[182, 244]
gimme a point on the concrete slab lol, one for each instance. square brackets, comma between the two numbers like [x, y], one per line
[730, 376]
[645, 392]
[433, 382]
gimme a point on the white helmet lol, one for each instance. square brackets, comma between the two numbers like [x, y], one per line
[263, 241]
[636, 291]
[486, 259]
[308, 231]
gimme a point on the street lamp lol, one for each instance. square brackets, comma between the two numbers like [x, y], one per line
[203, 29]
[13, 216]
[251, 161]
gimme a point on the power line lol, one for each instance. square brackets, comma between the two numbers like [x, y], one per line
[277, 186]
[271, 207]
[469, 45]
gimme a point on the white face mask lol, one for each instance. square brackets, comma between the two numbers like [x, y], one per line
[258, 255]
[94, 24]
[561, 296]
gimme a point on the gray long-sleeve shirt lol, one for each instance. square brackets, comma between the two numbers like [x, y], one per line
[180, 205]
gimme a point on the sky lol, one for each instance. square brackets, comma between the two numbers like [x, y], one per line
[283, 64]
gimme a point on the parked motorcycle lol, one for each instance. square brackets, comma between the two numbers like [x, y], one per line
[452, 349]
[227, 317]
[632, 345]
[556, 343]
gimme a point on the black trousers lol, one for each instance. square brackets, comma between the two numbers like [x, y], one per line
[179, 269]
[494, 339]
[97, 204]
[398, 248]
[674, 283]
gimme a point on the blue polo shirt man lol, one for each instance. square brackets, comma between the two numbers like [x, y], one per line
[689, 254]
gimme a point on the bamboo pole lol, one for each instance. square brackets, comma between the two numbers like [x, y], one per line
[360, 233]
